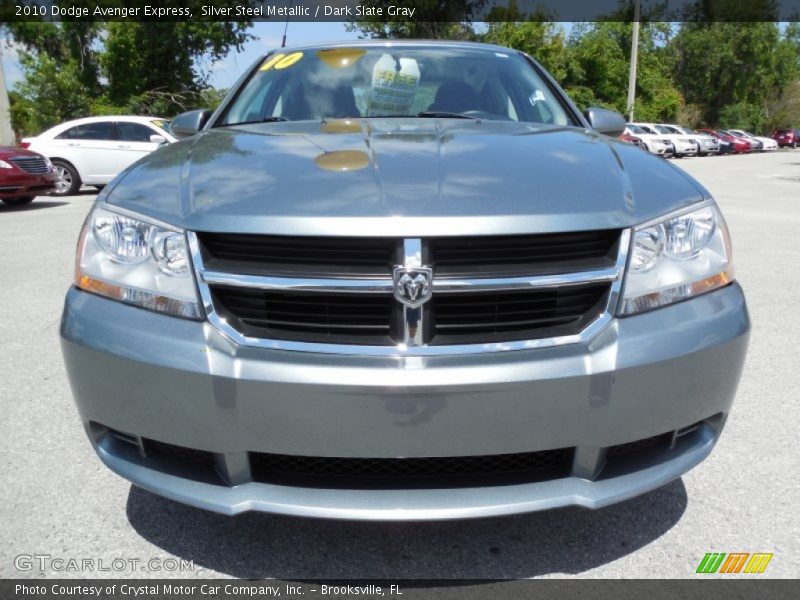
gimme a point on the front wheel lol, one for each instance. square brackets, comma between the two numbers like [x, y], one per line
[69, 182]
[21, 201]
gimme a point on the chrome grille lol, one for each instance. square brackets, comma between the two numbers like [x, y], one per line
[343, 295]
[35, 165]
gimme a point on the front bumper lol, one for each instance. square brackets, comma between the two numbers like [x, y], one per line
[685, 147]
[708, 146]
[161, 379]
[15, 183]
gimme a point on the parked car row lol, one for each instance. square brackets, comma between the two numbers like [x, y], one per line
[90, 151]
[668, 140]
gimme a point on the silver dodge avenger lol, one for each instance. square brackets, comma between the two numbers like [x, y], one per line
[402, 281]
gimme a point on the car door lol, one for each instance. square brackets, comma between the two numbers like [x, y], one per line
[88, 147]
[133, 142]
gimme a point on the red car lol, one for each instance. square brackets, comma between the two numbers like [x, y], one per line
[631, 139]
[24, 175]
[738, 145]
[787, 137]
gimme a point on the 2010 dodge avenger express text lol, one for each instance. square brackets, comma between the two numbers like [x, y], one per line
[402, 281]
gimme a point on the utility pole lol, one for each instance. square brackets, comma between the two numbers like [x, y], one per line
[634, 58]
[6, 132]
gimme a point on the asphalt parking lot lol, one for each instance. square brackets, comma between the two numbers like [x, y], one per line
[58, 500]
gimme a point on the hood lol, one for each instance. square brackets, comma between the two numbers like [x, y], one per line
[7, 152]
[401, 177]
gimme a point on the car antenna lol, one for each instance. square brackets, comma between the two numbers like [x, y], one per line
[286, 27]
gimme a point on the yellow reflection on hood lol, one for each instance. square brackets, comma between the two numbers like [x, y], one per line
[342, 160]
[341, 126]
[339, 58]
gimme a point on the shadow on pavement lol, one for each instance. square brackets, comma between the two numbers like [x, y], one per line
[257, 545]
[35, 205]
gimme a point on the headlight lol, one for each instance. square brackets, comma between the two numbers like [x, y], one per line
[5, 165]
[675, 258]
[137, 261]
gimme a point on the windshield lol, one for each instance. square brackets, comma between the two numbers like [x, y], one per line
[662, 129]
[162, 124]
[395, 82]
[635, 128]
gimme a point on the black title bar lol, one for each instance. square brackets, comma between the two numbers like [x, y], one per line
[400, 10]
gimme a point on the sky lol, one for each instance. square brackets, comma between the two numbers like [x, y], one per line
[224, 73]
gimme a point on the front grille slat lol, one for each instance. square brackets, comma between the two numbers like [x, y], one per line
[235, 252]
[316, 317]
[526, 254]
[513, 315]
[35, 165]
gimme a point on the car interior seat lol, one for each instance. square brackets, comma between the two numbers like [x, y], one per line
[456, 97]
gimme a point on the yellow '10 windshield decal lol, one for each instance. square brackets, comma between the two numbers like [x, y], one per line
[281, 61]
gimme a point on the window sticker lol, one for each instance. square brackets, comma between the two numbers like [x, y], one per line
[341, 58]
[394, 86]
[281, 61]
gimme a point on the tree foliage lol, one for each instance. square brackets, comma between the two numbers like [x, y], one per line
[76, 69]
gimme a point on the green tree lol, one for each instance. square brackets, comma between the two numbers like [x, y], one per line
[733, 70]
[50, 93]
[164, 57]
[543, 40]
[74, 69]
[598, 61]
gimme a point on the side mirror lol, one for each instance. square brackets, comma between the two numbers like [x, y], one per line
[605, 121]
[157, 139]
[189, 123]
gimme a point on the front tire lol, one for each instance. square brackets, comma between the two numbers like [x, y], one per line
[69, 181]
[21, 201]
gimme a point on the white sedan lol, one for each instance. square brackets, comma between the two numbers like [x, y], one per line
[652, 143]
[768, 143]
[93, 150]
[685, 145]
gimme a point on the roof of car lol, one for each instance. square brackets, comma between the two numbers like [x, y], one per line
[382, 43]
[131, 118]
[56, 129]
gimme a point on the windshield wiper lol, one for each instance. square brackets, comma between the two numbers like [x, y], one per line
[438, 114]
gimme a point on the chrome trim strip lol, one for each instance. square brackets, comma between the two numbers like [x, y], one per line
[385, 285]
[521, 283]
[590, 331]
[413, 318]
[376, 285]
[412, 252]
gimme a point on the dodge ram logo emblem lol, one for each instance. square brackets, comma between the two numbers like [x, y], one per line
[412, 285]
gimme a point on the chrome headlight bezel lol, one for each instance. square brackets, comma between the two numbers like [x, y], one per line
[104, 263]
[677, 256]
